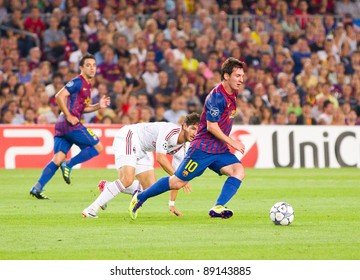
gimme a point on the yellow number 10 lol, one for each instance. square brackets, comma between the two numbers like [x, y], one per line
[191, 166]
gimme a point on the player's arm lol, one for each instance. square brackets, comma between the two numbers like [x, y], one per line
[61, 98]
[214, 129]
[166, 165]
[104, 102]
[216, 105]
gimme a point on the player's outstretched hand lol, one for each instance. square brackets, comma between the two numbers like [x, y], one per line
[104, 102]
[239, 146]
[72, 119]
[174, 211]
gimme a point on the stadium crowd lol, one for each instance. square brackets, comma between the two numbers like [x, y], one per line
[158, 59]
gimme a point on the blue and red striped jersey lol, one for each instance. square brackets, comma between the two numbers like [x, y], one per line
[80, 96]
[219, 107]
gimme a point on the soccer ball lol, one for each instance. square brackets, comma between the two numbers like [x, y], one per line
[282, 213]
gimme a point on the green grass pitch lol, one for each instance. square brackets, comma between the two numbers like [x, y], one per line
[326, 224]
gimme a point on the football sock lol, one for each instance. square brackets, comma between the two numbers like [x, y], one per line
[229, 189]
[110, 191]
[159, 187]
[47, 173]
[133, 187]
[83, 156]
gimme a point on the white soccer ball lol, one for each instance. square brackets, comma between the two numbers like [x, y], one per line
[282, 213]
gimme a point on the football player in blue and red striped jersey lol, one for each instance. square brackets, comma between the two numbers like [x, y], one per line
[73, 100]
[210, 148]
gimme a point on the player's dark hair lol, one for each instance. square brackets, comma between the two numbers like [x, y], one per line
[87, 56]
[192, 119]
[229, 65]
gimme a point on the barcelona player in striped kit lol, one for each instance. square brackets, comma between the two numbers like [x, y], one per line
[210, 148]
[73, 100]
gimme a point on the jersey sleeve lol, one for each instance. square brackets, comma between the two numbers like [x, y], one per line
[73, 86]
[215, 105]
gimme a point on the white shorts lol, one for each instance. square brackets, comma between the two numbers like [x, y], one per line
[127, 151]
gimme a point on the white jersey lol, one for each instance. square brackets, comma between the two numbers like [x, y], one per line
[132, 144]
[160, 137]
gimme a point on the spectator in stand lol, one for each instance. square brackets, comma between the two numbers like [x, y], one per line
[34, 24]
[120, 43]
[36, 80]
[301, 51]
[73, 22]
[189, 63]
[352, 118]
[150, 77]
[5, 93]
[107, 14]
[159, 114]
[346, 7]
[91, 28]
[306, 117]
[109, 71]
[34, 58]
[179, 51]
[178, 109]
[168, 65]
[132, 28]
[163, 92]
[326, 117]
[347, 96]
[202, 49]
[30, 116]
[54, 41]
[76, 55]
[6, 117]
[146, 114]
[133, 76]
[93, 7]
[139, 47]
[56, 84]
[291, 118]
[13, 107]
[327, 92]
[338, 117]
[23, 74]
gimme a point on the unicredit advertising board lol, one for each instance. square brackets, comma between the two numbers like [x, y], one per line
[265, 146]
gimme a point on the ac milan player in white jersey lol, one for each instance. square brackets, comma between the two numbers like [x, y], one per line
[131, 144]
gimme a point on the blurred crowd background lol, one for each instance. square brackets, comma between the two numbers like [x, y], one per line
[158, 59]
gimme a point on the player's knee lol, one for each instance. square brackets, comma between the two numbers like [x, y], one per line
[176, 183]
[126, 181]
[238, 172]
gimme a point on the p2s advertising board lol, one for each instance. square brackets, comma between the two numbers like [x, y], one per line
[265, 146]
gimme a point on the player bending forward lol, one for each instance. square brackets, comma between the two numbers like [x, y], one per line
[210, 146]
[131, 144]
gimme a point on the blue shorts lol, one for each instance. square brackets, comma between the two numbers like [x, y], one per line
[82, 137]
[196, 161]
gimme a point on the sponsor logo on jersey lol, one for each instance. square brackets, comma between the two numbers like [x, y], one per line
[214, 112]
[70, 84]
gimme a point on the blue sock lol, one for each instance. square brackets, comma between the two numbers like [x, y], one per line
[46, 175]
[83, 156]
[229, 189]
[157, 188]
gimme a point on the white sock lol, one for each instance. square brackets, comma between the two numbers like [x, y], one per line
[110, 191]
[133, 187]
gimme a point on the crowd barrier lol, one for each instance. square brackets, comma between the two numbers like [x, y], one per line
[266, 146]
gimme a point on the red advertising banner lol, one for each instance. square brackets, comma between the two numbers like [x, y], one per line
[32, 146]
